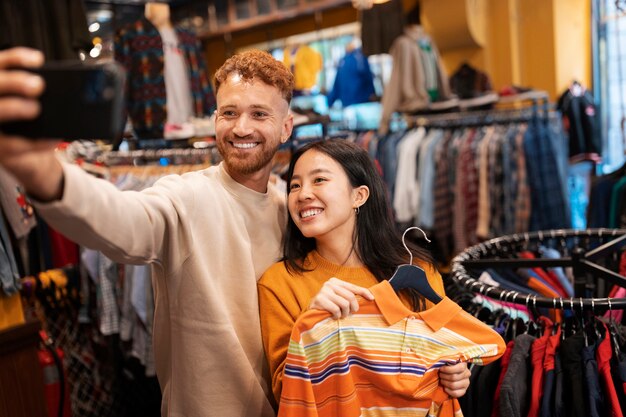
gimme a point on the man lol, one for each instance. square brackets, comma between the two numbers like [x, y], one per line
[208, 235]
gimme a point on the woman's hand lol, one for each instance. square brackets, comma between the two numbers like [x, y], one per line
[455, 379]
[339, 298]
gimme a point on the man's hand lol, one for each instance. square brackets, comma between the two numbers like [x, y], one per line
[19, 89]
[455, 379]
[32, 162]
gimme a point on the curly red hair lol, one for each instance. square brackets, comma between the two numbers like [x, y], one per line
[255, 64]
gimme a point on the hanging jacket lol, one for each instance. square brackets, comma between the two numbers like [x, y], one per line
[354, 82]
[407, 89]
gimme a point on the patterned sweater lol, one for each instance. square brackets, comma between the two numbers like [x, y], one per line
[139, 48]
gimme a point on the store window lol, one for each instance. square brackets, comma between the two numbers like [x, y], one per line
[610, 78]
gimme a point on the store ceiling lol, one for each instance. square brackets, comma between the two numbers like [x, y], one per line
[142, 2]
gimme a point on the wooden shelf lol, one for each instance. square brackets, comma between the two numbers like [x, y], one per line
[21, 377]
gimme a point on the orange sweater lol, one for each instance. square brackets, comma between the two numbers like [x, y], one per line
[283, 298]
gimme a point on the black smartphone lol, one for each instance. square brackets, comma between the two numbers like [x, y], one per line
[81, 101]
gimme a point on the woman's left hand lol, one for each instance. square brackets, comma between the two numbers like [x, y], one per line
[455, 379]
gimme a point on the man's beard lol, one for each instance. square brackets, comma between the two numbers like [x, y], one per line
[250, 163]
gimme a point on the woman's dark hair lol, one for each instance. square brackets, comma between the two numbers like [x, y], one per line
[378, 244]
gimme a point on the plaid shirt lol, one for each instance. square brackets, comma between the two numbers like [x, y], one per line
[442, 195]
[522, 198]
[549, 205]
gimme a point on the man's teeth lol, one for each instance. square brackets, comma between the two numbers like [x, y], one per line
[244, 145]
[309, 213]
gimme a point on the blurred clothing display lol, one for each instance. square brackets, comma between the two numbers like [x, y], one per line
[305, 64]
[354, 82]
[140, 48]
[418, 77]
[580, 121]
[469, 82]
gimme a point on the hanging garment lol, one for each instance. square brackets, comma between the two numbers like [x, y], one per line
[305, 63]
[574, 398]
[9, 274]
[603, 358]
[580, 120]
[469, 82]
[17, 209]
[177, 88]
[549, 375]
[550, 209]
[504, 366]
[354, 82]
[595, 397]
[139, 48]
[514, 392]
[341, 368]
[407, 89]
[537, 355]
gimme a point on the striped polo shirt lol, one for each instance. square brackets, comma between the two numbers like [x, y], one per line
[382, 360]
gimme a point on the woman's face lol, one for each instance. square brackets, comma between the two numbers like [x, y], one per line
[321, 198]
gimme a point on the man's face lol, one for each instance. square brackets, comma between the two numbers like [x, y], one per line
[252, 121]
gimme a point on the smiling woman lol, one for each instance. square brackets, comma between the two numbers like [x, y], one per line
[340, 227]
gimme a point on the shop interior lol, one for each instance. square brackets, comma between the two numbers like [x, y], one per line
[513, 108]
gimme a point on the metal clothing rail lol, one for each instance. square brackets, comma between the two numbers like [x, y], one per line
[480, 118]
[144, 156]
[493, 253]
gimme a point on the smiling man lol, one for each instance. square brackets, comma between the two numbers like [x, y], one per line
[208, 235]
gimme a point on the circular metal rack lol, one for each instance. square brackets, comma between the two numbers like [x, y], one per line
[499, 252]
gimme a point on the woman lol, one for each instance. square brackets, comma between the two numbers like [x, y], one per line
[340, 226]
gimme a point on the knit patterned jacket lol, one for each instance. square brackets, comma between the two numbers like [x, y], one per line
[139, 48]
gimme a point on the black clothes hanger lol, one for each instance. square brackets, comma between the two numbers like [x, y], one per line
[413, 277]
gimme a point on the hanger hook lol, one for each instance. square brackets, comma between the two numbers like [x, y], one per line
[593, 307]
[404, 243]
[608, 300]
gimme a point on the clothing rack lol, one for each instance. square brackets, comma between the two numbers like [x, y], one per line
[494, 253]
[139, 157]
[534, 96]
[480, 117]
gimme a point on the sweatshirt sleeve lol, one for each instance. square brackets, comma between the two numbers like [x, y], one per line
[127, 226]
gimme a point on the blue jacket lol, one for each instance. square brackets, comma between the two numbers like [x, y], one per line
[354, 82]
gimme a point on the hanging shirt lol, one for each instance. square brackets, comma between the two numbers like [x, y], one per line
[177, 88]
[381, 360]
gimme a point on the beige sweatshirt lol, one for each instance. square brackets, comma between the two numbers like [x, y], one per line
[208, 240]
